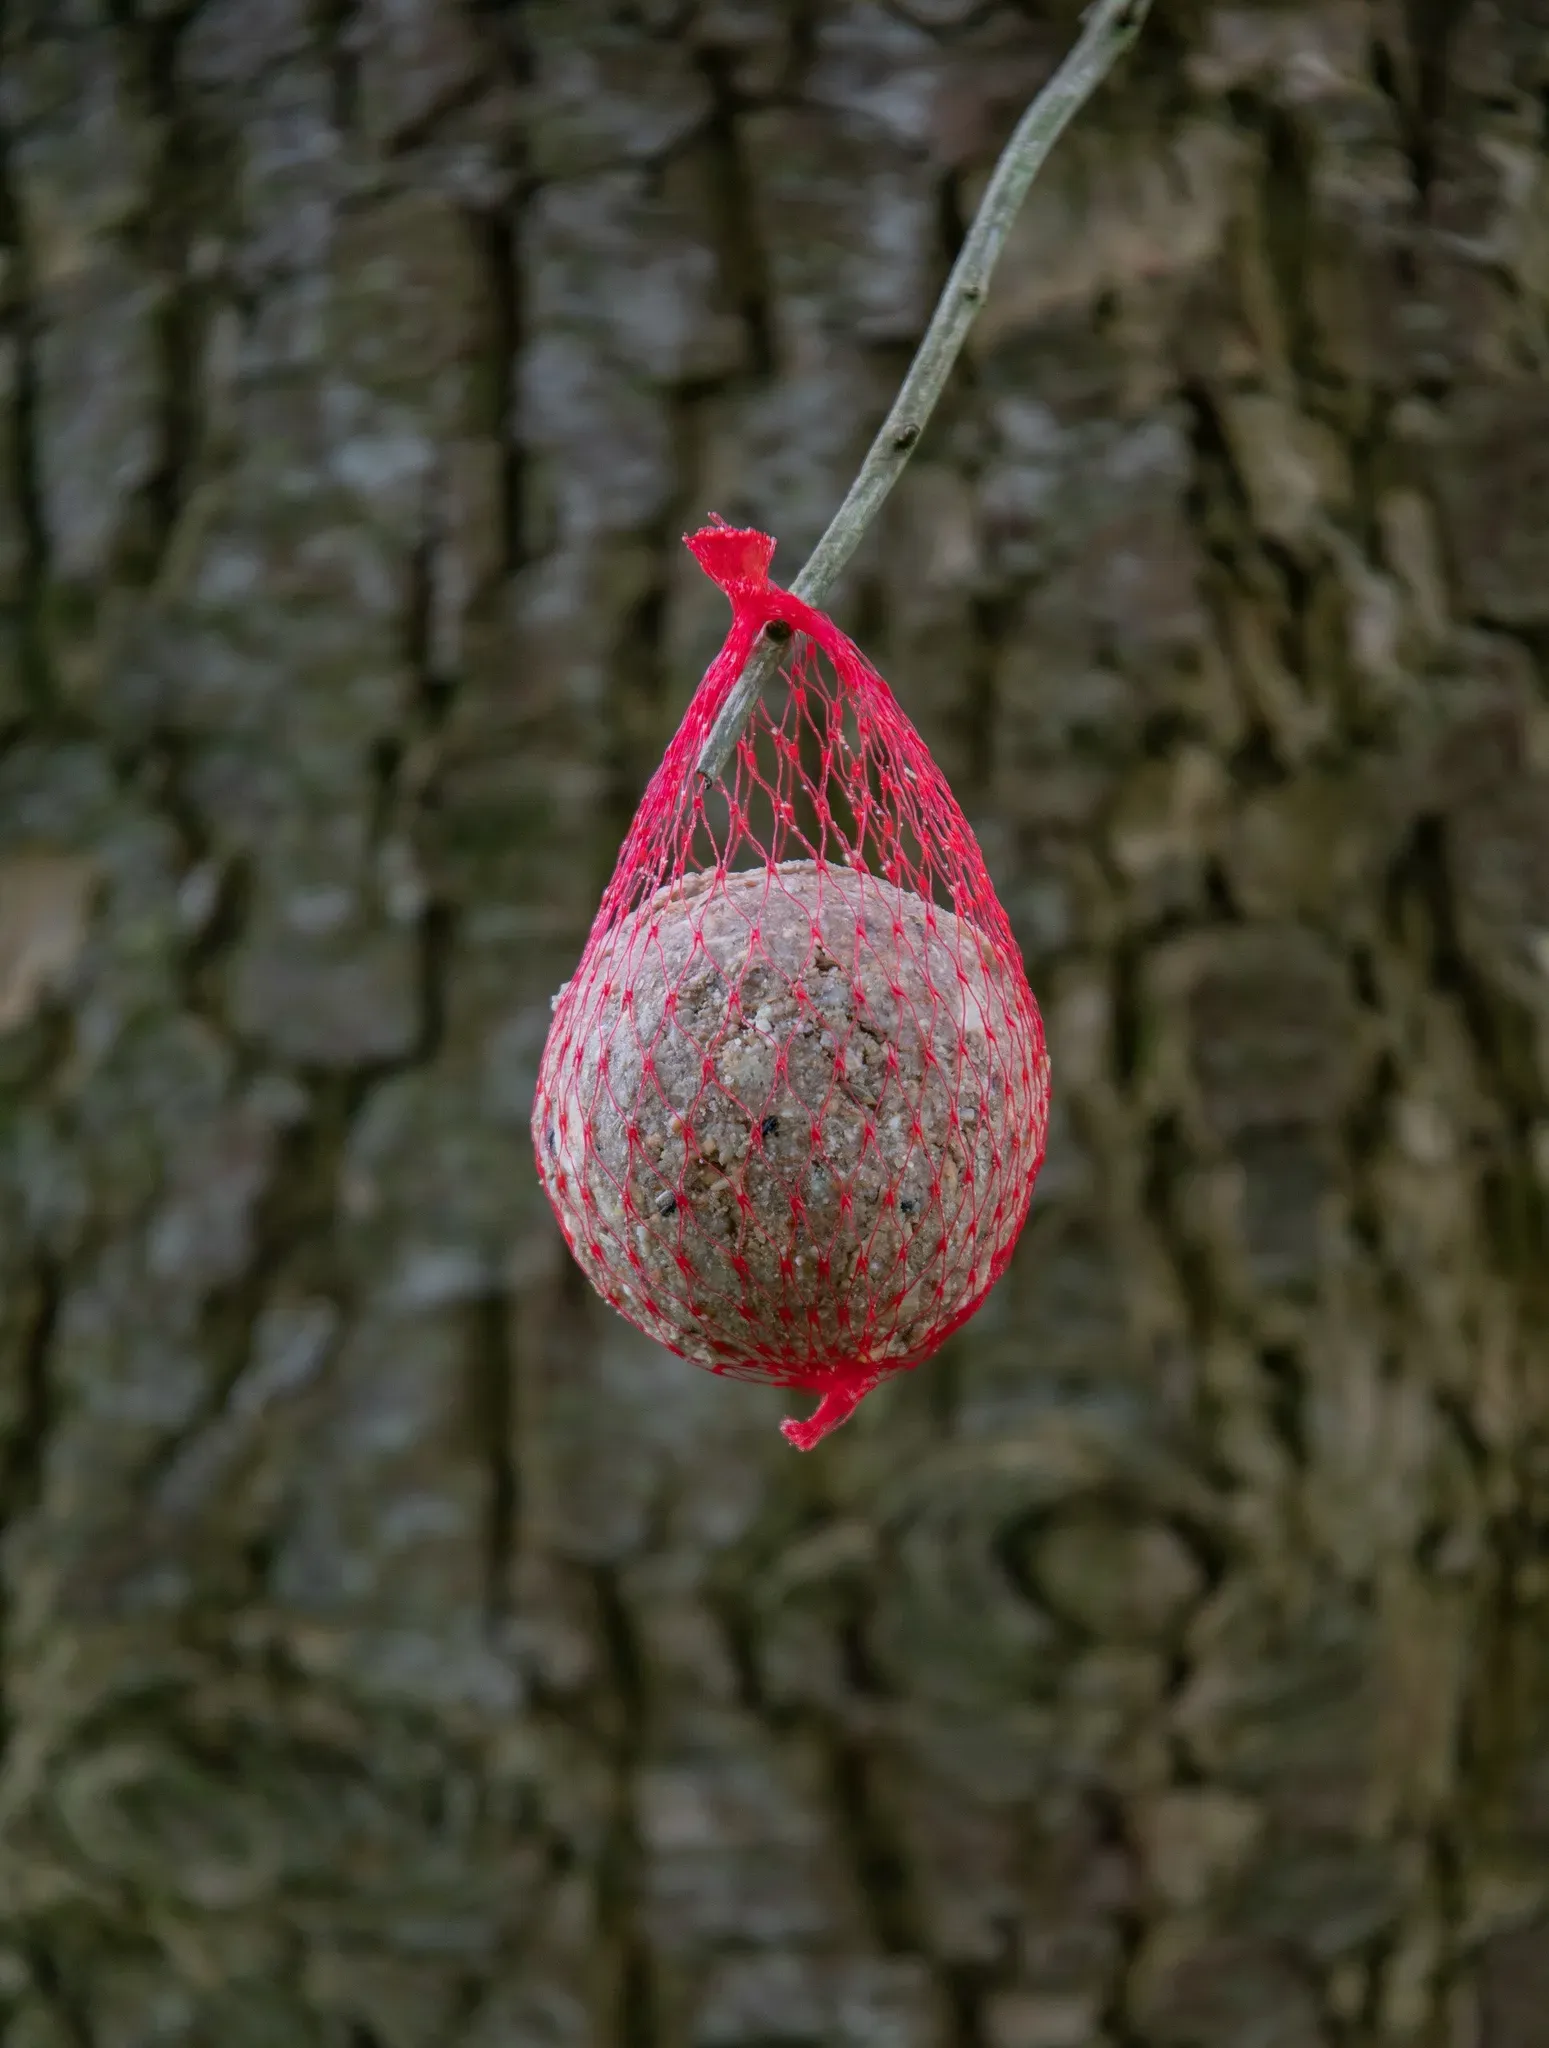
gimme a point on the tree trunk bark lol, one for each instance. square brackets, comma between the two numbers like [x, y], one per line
[397, 1651]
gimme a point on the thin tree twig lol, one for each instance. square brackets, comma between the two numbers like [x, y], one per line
[1109, 29]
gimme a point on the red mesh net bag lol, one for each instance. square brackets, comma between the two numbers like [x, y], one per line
[793, 1101]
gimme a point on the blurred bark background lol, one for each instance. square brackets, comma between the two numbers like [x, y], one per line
[398, 1652]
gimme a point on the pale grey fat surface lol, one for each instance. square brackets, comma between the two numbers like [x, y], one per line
[744, 1072]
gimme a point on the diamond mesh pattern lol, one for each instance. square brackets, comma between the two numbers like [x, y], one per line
[793, 1101]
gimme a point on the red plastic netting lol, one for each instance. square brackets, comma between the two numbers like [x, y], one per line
[793, 1101]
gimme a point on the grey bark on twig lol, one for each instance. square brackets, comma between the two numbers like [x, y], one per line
[1110, 27]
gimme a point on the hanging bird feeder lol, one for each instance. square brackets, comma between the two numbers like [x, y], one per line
[793, 1101]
